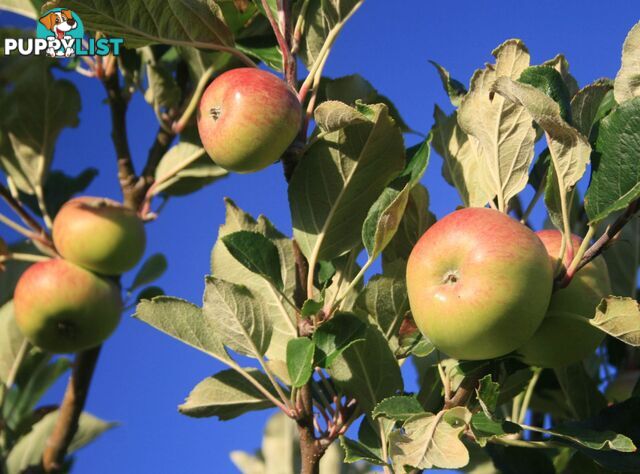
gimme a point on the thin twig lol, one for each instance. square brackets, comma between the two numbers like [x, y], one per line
[22, 212]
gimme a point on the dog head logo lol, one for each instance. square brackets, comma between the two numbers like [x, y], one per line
[61, 28]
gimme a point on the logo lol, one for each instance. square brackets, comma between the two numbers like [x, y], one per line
[60, 34]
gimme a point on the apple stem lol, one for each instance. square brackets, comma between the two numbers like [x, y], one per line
[571, 271]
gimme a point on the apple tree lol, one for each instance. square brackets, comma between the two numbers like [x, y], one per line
[524, 340]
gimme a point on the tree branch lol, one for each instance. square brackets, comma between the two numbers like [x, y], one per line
[465, 391]
[118, 106]
[72, 406]
[611, 232]
[22, 212]
[311, 450]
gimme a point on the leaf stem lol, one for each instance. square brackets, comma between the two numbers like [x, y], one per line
[571, 271]
[13, 372]
[21, 211]
[528, 394]
[24, 257]
[282, 42]
[285, 399]
[15, 226]
[445, 380]
[234, 365]
[179, 125]
[384, 446]
[352, 284]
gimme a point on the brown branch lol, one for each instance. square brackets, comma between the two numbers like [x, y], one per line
[22, 212]
[72, 406]
[611, 232]
[311, 450]
[465, 391]
[118, 106]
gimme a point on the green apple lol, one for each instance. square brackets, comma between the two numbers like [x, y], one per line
[621, 388]
[479, 283]
[247, 118]
[99, 234]
[565, 335]
[61, 307]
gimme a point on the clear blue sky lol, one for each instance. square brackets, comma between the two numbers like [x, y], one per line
[143, 375]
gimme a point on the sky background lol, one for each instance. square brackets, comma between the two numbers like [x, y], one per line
[142, 374]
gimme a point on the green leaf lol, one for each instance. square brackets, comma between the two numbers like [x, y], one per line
[428, 441]
[338, 180]
[514, 384]
[185, 168]
[28, 451]
[501, 133]
[367, 370]
[454, 89]
[149, 293]
[488, 392]
[623, 258]
[226, 395]
[39, 381]
[549, 81]
[300, 360]
[416, 220]
[163, 93]
[569, 149]
[517, 460]
[385, 300]
[614, 182]
[10, 340]
[263, 48]
[385, 215]
[619, 317]
[310, 307]
[237, 316]
[152, 269]
[580, 391]
[257, 253]
[333, 116]
[185, 322]
[627, 83]
[355, 451]
[598, 440]
[560, 64]
[586, 103]
[485, 427]
[226, 267]
[355, 88]
[33, 136]
[335, 336]
[399, 408]
[430, 394]
[177, 22]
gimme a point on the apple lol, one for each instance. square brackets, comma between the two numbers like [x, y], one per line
[479, 283]
[247, 118]
[99, 234]
[61, 307]
[565, 335]
[621, 388]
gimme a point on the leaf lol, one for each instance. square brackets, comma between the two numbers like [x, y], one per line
[461, 167]
[320, 20]
[263, 48]
[560, 64]
[257, 253]
[226, 395]
[355, 88]
[28, 450]
[580, 391]
[586, 103]
[488, 392]
[149, 293]
[428, 441]
[355, 451]
[33, 136]
[177, 22]
[598, 440]
[183, 321]
[10, 340]
[280, 445]
[385, 300]
[517, 460]
[333, 116]
[627, 83]
[454, 89]
[619, 317]
[20, 7]
[226, 267]
[569, 149]
[337, 181]
[300, 360]
[399, 408]
[385, 215]
[614, 177]
[623, 258]
[514, 384]
[247, 463]
[152, 269]
[549, 81]
[484, 427]
[237, 316]
[367, 370]
[163, 93]
[335, 336]
[200, 171]
[500, 131]
[416, 220]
